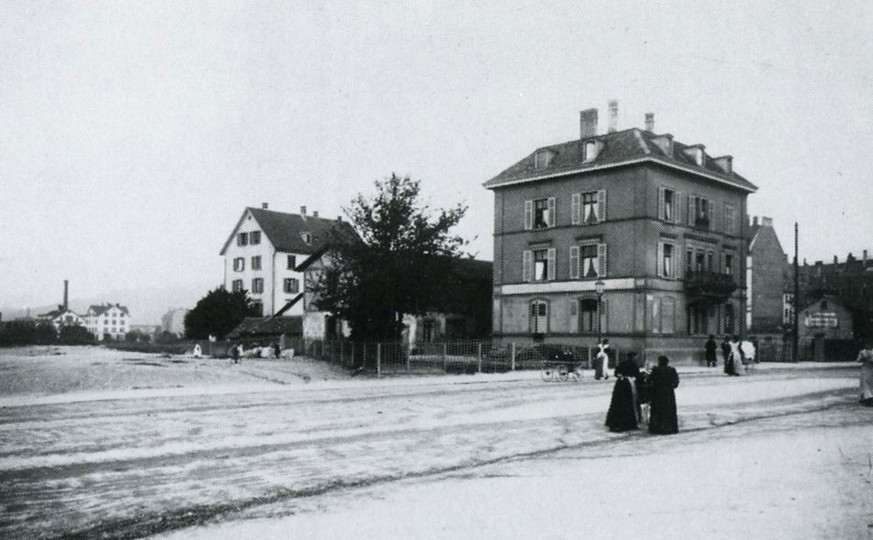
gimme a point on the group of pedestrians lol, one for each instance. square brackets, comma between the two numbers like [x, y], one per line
[634, 387]
[738, 355]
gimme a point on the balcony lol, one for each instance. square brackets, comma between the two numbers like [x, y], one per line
[709, 287]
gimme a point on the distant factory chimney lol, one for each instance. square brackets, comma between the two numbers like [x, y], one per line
[66, 294]
[613, 116]
[650, 122]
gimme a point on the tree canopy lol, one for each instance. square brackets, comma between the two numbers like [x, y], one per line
[401, 266]
[217, 313]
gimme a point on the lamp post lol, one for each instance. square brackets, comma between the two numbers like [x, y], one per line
[598, 290]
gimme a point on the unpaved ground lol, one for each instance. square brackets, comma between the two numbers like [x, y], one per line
[145, 462]
[41, 371]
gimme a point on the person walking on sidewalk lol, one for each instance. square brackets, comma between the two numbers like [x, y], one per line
[866, 380]
[624, 408]
[710, 349]
[664, 380]
[726, 354]
[601, 361]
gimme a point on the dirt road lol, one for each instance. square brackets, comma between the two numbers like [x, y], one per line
[142, 465]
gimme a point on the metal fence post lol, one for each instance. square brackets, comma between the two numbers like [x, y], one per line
[378, 360]
[407, 350]
[445, 366]
[512, 354]
[479, 357]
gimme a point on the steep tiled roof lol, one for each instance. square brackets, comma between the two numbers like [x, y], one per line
[630, 145]
[100, 309]
[286, 231]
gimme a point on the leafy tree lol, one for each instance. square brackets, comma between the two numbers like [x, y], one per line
[401, 266]
[217, 313]
[28, 332]
[133, 336]
[75, 335]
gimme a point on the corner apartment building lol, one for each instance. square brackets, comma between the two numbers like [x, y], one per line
[272, 255]
[660, 224]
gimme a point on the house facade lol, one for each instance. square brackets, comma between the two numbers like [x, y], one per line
[107, 321]
[275, 257]
[658, 226]
[826, 331]
[63, 316]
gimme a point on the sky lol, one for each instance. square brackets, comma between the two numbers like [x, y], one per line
[133, 134]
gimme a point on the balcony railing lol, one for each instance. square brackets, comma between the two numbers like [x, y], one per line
[709, 287]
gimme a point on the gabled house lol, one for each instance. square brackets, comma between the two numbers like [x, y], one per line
[275, 256]
[62, 316]
[629, 234]
[107, 321]
[765, 279]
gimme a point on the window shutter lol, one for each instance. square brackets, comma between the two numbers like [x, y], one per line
[677, 206]
[660, 262]
[661, 197]
[576, 209]
[713, 217]
[601, 258]
[551, 211]
[601, 205]
[691, 209]
[551, 256]
[528, 215]
[675, 262]
[574, 262]
[527, 266]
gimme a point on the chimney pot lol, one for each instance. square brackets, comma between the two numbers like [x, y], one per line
[755, 221]
[650, 122]
[587, 123]
[835, 259]
[864, 254]
[264, 205]
[315, 213]
[302, 210]
[613, 116]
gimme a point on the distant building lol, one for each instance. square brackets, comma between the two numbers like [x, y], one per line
[173, 321]
[63, 315]
[850, 282]
[150, 330]
[657, 225]
[765, 279]
[825, 330]
[276, 257]
[107, 321]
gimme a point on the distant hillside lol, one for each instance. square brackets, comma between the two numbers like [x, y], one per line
[146, 305]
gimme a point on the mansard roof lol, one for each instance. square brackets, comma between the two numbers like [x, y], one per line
[619, 148]
[286, 231]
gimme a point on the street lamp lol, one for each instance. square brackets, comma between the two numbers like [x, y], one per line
[598, 290]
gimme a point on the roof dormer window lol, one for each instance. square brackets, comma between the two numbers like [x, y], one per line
[542, 158]
[592, 150]
[307, 237]
[697, 154]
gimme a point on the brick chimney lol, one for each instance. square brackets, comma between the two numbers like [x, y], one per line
[66, 294]
[650, 122]
[315, 213]
[587, 123]
[766, 221]
[835, 259]
[264, 206]
[864, 254]
[303, 211]
[613, 116]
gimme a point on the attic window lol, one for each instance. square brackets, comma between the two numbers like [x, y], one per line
[592, 150]
[543, 158]
[307, 237]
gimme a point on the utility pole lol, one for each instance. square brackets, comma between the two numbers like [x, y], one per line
[795, 303]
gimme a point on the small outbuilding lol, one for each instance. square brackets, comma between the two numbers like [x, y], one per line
[825, 332]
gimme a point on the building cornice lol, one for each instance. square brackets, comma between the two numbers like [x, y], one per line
[645, 159]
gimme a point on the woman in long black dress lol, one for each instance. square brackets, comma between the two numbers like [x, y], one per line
[623, 409]
[664, 380]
